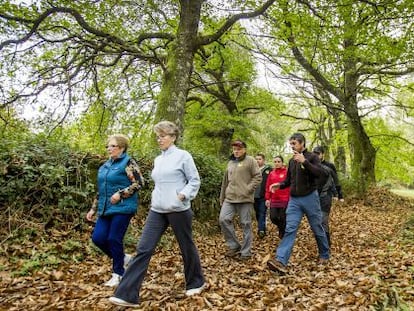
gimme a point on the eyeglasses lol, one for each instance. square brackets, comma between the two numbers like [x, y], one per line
[111, 146]
[159, 137]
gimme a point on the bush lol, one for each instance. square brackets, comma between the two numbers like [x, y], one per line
[44, 180]
[48, 182]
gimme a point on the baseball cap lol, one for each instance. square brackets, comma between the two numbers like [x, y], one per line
[239, 143]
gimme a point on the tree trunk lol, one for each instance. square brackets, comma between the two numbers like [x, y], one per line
[363, 154]
[339, 153]
[177, 72]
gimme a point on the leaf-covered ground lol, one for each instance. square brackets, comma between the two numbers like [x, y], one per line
[371, 268]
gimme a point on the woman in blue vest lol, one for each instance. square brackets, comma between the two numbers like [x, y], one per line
[119, 179]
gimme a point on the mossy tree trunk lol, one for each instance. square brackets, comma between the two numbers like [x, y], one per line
[179, 65]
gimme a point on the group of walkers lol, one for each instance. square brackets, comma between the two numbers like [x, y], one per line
[288, 192]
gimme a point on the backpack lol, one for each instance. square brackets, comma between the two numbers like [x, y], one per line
[326, 184]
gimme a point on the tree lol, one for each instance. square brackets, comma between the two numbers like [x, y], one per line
[68, 45]
[352, 51]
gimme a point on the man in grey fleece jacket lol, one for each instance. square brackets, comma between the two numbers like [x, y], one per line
[240, 180]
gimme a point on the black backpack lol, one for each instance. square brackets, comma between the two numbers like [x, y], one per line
[326, 184]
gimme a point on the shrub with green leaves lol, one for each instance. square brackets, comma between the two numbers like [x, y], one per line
[45, 179]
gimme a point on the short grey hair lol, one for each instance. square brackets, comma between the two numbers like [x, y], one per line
[167, 127]
[121, 140]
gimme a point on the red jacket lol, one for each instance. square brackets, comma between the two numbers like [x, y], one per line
[281, 196]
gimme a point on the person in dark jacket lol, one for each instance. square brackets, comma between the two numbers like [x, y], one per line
[259, 195]
[320, 151]
[331, 189]
[119, 179]
[303, 171]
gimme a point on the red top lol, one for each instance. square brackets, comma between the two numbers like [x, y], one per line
[281, 195]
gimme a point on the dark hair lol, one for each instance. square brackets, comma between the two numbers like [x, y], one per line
[280, 157]
[319, 149]
[261, 155]
[298, 137]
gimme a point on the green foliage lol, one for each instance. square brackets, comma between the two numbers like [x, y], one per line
[206, 205]
[45, 179]
[394, 155]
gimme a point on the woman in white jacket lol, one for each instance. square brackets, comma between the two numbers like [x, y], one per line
[176, 182]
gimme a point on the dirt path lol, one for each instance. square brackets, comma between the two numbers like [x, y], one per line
[371, 265]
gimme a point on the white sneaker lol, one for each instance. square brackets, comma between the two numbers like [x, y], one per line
[195, 291]
[120, 302]
[127, 259]
[114, 281]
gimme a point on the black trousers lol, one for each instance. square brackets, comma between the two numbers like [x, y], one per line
[278, 217]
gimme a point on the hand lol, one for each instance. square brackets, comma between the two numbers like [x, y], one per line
[90, 215]
[298, 157]
[274, 187]
[181, 197]
[267, 203]
[115, 198]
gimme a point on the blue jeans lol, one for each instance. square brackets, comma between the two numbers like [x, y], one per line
[260, 209]
[155, 226]
[109, 234]
[297, 207]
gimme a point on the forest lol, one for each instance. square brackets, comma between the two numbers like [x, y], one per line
[75, 72]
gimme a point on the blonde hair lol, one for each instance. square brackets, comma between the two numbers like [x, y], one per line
[121, 140]
[167, 127]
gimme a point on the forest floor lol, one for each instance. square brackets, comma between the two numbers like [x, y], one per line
[371, 267]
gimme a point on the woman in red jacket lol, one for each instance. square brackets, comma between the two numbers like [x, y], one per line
[278, 200]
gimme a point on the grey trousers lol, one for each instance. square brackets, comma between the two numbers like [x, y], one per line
[226, 220]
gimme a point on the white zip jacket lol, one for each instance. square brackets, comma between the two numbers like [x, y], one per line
[174, 172]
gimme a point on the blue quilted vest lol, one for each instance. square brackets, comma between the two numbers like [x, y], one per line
[112, 178]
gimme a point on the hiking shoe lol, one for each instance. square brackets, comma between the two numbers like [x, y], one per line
[127, 259]
[121, 302]
[323, 261]
[232, 252]
[245, 257]
[276, 266]
[262, 234]
[195, 291]
[114, 281]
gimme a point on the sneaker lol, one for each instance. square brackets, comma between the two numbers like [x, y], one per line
[262, 234]
[195, 291]
[120, 302]
[114, 281]
[232, 252]
[127, 259]
[276, 266]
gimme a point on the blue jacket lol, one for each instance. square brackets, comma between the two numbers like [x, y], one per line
[112, 177]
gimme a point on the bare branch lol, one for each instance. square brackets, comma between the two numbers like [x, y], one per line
[231, 21]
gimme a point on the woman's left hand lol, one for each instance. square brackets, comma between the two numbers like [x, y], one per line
[181, 197]
[115, 198]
